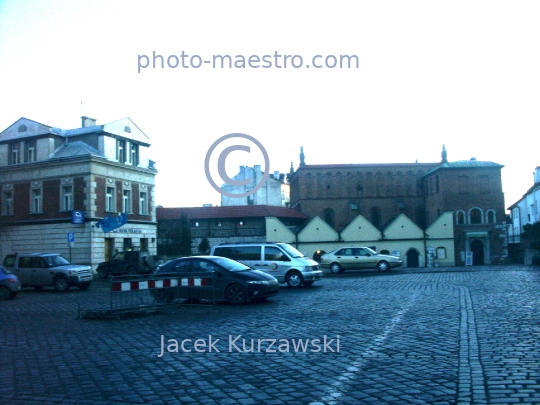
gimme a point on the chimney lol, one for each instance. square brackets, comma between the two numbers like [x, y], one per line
[88, 122]
[537, 175]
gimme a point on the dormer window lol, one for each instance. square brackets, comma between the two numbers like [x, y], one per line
[14, 153]
[134, 154]
[127, 129]
[30, 155]
[22, 128]
[121, 151]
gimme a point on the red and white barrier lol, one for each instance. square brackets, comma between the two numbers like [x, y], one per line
[163, 283]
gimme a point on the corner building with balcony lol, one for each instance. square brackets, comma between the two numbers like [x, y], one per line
[55, 184]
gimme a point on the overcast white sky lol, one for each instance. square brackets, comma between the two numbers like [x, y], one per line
[461, 73]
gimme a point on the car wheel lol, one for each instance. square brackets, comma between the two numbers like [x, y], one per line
[84, 286]
[336, 268]
[132, 271]
[61, 284]
[102, 273]
[4, 293]
[383, 266]
[236, 294]
[295, 279]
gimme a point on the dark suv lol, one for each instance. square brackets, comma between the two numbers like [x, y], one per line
[131, 262]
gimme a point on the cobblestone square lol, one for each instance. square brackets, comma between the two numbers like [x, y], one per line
[413, 336]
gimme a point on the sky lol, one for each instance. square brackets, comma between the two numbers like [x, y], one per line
[465, 74]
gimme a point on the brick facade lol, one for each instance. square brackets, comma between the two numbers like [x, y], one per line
[421, 191]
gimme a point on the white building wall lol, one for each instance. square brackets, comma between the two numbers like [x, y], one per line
[89, 246]
[269, 194]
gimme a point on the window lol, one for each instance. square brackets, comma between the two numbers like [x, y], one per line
[35, 203]
[441, 253]
[7, 203]
[67, 198]
[14, 153]
[134, 154]
[329, 217]
[475, 216]
[143, 203]
[30, 155]
[490, 217]
[126, 207]
[110, 204]
[272, 253]
[460, 218]
[121, 151]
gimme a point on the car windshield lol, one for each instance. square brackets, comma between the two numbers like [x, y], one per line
[291, 251]
[371, 251]
[54, 261]
[231, 264]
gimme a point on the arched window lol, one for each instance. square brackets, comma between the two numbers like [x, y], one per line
[490, 217]
[376, 217]
[329, 217]
[460, 218]
[475, 216]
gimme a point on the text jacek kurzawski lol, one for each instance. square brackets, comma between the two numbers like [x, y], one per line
[239, 344]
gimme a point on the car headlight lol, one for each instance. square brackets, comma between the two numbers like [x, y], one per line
[265, 282]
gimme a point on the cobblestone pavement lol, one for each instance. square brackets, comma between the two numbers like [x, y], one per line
[451, 336]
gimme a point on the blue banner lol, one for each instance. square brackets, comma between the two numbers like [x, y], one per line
[109, 223]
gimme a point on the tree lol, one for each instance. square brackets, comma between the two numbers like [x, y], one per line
[204, 246]
[531, 234]
[185, 236]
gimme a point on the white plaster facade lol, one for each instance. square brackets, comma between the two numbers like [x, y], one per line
[525, 210]
[275, 190]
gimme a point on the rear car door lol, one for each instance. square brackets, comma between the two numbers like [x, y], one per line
[346, 258]
[40, 272]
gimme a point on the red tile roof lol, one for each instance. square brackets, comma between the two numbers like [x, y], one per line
[243, 211]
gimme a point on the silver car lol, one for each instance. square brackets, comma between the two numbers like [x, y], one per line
[358, 258]
[281, 260]
[48, 269]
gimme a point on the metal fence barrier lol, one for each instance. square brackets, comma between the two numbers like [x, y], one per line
[149, 293]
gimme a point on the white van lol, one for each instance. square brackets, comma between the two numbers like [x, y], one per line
[281, 260]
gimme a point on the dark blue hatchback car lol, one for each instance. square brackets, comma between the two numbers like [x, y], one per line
[213, 278]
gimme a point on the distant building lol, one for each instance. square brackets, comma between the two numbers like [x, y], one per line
[224, 224]
[472, 190]
[522, 212]
[274, 191]
[55, 184]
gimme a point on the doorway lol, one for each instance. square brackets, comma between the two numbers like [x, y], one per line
[412, 258]
[477, 248]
